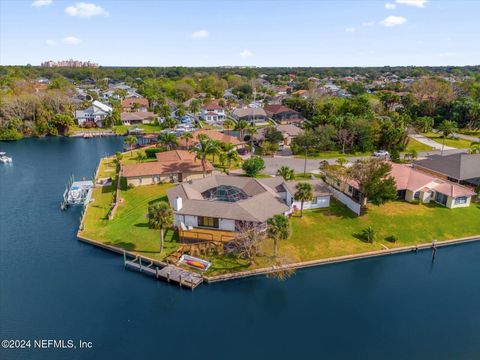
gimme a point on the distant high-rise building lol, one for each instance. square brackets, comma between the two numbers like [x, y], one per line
[68, 63]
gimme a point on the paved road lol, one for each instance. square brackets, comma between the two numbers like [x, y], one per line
[273, 164]
[429, 142]
[464, 137]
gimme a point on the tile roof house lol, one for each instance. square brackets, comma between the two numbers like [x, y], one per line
[94, 114]
[251, 115]
[138, 117]
[289, 131]
[415, 186]
[283, 114]
[462, 168]
[226, 203]
[212, 112]
[171, 166]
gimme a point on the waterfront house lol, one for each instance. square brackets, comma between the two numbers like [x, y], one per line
[251, 115]
[137, 118]
[95, 114]
[212, 112]
[135, 104]
[228, 203]
[412, 186]
[170, 166]
[461, 168]
[283, 114]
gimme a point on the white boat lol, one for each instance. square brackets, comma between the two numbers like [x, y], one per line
[4, 158]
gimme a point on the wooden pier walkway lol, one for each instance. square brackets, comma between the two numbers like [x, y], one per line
[169, 273]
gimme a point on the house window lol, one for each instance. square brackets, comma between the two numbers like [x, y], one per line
[461, 200]
[350, 188]
[206, 221]
[441, 198]
[315, 201]
[416, 196]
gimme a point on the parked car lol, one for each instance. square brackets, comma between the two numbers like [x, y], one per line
[381, 153]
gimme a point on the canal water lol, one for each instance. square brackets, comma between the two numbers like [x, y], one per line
[54, 287]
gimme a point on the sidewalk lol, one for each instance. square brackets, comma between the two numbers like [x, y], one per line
[429, 142]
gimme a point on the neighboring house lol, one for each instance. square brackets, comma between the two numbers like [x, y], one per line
[95, 114]
[283, 114]
[212, 134]
[289, 131]
[460, 168]
[414, 186]
[282, 90]
[212, 112]
[171, 166]
[227, 203]
[251, 115]
[301, 93]
[135, 104]
[139, 117]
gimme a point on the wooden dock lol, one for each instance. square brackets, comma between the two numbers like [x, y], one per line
[170, 273]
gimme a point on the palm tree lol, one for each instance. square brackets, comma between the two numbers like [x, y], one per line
[251, 131]
[216, 150]
[447, 128]
[286, 173]
[169, 140]
[475, 148]
[131, 140]
[195, 106]
[187, 136]
[278, 228]
[229, 125]
[304, 193]
[240, 127]
[412, 155]
[231, 154]
[204, 147]
[160, 217]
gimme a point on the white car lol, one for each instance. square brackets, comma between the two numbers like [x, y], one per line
[381, 153]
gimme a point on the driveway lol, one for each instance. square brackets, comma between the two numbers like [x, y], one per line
[429, 142]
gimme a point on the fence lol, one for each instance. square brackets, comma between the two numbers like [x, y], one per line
[346, 200]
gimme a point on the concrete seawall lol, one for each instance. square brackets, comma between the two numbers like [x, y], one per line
[293, 266]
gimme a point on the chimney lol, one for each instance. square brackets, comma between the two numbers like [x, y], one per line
[177, 203]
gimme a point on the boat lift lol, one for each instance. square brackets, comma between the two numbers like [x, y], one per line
[77, 193]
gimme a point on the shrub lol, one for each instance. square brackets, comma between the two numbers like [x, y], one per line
[253, 166]
[150, 152]
[368, 234]
[391, 239]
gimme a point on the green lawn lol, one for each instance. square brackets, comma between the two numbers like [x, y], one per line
[452, 142]
[417, 145]
[147, 128]
[470, 132]
[129, 229]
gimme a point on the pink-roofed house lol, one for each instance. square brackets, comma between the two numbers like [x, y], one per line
[415, 186]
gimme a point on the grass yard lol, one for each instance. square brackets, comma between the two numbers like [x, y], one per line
[129, 229]
[452, 142]
[417, 146]
[470, 132]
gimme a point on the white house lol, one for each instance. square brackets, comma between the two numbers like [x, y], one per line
[94, 114]
[212, 112]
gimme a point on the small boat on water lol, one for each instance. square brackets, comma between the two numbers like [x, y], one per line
[4, 158]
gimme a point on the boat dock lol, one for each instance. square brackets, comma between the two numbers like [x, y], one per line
[170, 273]
[77, 193]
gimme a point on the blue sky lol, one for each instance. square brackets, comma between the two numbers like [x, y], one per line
[230, 32]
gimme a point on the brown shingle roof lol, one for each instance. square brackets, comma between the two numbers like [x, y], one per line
[212, 134]
[129, 102]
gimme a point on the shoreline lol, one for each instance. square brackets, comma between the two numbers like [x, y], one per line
[294, 266]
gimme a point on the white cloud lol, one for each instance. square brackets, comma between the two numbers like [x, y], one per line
[392, 20]
[246, 53]
[71, 40]
[200, 34]
[50, 42]
[368, 23]
[86, 10]
[390, 6]
[39, 3]
[350, 30]
[416, 3]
